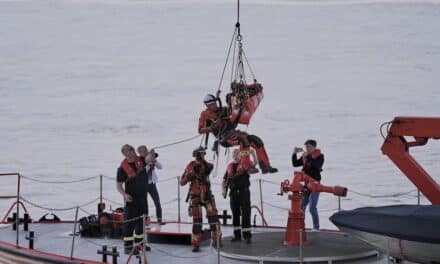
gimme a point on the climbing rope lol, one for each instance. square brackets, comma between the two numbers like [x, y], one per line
[177, 142]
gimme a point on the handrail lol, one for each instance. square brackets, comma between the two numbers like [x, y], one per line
[261, 215]
[17, 203]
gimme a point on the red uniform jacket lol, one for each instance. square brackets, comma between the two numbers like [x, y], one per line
[197, 173]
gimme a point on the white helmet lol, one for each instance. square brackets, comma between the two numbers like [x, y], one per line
[209, 98]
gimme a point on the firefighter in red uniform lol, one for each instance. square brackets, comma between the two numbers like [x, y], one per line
[216, 120]
[197, 174]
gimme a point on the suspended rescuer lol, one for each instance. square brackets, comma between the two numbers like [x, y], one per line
[236, 179]
[311, 161]
[132, 175]
[152, 180]
[216, 119]
[199, 195]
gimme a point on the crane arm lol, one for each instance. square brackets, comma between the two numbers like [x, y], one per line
[396, 147]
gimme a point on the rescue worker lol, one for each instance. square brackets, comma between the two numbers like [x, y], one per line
[312, 161]
[236, 178]
[131, 177]
[216, 120]
[200, 195]
[151, 184]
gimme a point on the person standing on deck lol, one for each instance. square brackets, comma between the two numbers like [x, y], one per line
[312, 161]
[151, 184]
[131, 177]
[236, 178]
[197, 174]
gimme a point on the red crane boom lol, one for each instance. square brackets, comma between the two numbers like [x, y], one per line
[396, 147]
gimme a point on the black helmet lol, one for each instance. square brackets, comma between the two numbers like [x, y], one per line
[196, 153]
[209, 98]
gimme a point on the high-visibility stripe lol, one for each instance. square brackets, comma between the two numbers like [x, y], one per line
[246, 229]
[139, 236]
[237, 228]
[129, 238]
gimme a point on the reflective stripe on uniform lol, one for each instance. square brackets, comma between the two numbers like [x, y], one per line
[139, 236]
[237, 228]
[129, 238]
[246, 229]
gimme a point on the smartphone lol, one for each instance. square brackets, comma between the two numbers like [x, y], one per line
[299, 149]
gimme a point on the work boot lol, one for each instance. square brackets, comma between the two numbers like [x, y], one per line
[269, 169]
[147, 248]
[196, 249]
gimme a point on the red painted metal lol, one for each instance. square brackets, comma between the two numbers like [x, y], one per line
[396, 147]
[295, 230]
[265, 224]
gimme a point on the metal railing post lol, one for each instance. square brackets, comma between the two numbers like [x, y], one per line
[178, 200]
[339, 203]
[418, 197]
[261, 201]
[74, 233]
[144, 238]
[100, 188]
[17, 211]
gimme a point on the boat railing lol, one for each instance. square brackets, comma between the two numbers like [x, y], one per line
[21, 201]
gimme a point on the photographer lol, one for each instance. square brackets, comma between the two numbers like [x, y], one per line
[152, 180]
[312, 161]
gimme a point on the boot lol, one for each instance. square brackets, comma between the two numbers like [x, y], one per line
[267, 168]
[196, 249]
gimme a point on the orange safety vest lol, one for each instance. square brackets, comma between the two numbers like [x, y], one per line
[129, 170]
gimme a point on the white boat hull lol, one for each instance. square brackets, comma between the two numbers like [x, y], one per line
[403, 249]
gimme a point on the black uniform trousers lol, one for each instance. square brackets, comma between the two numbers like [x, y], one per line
[133, 210]
[152, 190]
[240, 202]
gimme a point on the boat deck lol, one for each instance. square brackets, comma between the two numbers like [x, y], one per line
[57, 239]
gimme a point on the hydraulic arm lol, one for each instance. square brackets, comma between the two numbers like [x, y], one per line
[396, 147]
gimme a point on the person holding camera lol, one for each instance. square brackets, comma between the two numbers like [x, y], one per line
[151, 183]
[199, 194]
[131, 177]
[312, 161]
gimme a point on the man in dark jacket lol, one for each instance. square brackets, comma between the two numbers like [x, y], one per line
[237, 180]
[311, 161]
[132, 175]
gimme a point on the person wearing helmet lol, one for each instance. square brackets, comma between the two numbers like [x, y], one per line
[197, 174]
[216, 119]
